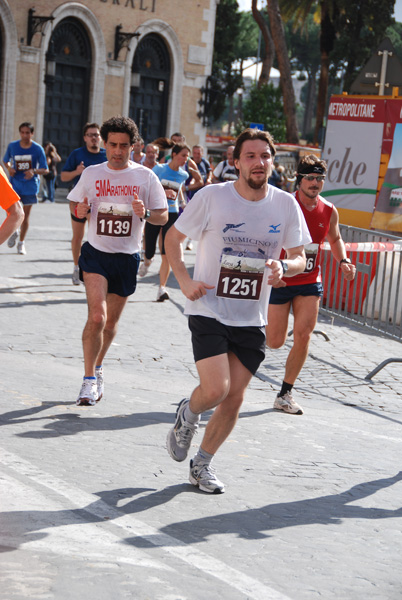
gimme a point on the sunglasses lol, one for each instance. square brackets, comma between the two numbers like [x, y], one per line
[319, 178]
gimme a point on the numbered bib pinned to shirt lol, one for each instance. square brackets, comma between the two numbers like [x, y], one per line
[240, 276]
[114, 220]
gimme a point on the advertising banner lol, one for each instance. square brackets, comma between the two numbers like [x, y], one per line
[388, 209]
[353, 152]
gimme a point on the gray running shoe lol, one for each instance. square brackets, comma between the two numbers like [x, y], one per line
[287, 404]
[203, 476]
[179, 438]
[88, 393]
[144, 268]
[76, 275]
[99, 383]
[12, 239]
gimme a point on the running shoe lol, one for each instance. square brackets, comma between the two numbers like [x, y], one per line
[189, 245]
[21, 248]
[203, 476]
[88, 394]
[144, 267]
[162, 295]
[287, 404]
[76, 275]
[12, 239]
[99, 383]
[179, 438]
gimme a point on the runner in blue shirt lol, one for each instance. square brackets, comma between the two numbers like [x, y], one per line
[79, 159]
[172, 177]
[25, 161]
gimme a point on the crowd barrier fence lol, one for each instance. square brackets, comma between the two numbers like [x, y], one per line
[374, 298]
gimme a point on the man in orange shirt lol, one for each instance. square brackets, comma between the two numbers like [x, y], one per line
[10, 201]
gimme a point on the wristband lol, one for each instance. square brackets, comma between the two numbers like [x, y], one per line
[75, 211]
[345, 260]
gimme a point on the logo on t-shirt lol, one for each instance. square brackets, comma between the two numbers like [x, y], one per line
[105, 188]
[232, 226]
[274, 228]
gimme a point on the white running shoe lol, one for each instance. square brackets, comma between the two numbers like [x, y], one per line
[179, 438]
[99, 383]
[144, 267]
[162, 295]
[76, 275]
[287, 404]
[88, 394]
[13, 238]
[203, 476]
[21, 248]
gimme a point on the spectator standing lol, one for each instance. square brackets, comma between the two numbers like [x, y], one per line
[225, 170]
[53, 159]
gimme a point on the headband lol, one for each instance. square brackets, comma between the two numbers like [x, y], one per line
[307, 169]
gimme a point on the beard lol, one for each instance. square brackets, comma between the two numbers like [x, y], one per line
[256, 185]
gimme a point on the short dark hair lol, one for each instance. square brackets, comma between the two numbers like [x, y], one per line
[253, 134]
[120, 125]
[178, 134]
[89, 126]
[27, 124]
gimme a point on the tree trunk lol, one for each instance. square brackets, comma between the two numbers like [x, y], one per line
[268, 59]
[289, 100]
[327, 40]
[309, 110]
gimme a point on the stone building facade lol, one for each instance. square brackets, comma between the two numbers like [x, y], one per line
[64, 63]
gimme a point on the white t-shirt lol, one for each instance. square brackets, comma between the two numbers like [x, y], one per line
[236, 237]
[113, 226]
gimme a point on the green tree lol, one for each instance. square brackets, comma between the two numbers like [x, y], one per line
[361, 27]
[223, 81]
[394, 32]
[264, 105]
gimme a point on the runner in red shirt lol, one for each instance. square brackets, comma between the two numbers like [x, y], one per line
[303, 292]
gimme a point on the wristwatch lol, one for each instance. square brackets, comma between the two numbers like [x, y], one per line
[345, 260]
[285, 266]
[147, 214]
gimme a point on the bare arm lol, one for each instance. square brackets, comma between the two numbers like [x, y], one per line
[159, 216]
[193, 290]
[70, 175]
[338, 247]
[296, 262]
[15, 216]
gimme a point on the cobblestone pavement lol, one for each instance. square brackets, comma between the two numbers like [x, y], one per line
[92, 505]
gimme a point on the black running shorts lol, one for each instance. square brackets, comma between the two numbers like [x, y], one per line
[119, 269]
[211, 338]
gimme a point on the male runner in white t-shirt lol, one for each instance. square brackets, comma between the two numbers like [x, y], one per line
[241, 228]
[121, 195]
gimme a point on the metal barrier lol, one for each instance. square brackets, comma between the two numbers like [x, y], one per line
[374, 298]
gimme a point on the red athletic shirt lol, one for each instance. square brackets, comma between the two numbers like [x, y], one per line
[318, 221]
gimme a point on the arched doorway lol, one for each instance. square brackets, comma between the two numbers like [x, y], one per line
[150, 87]
[66, 104]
